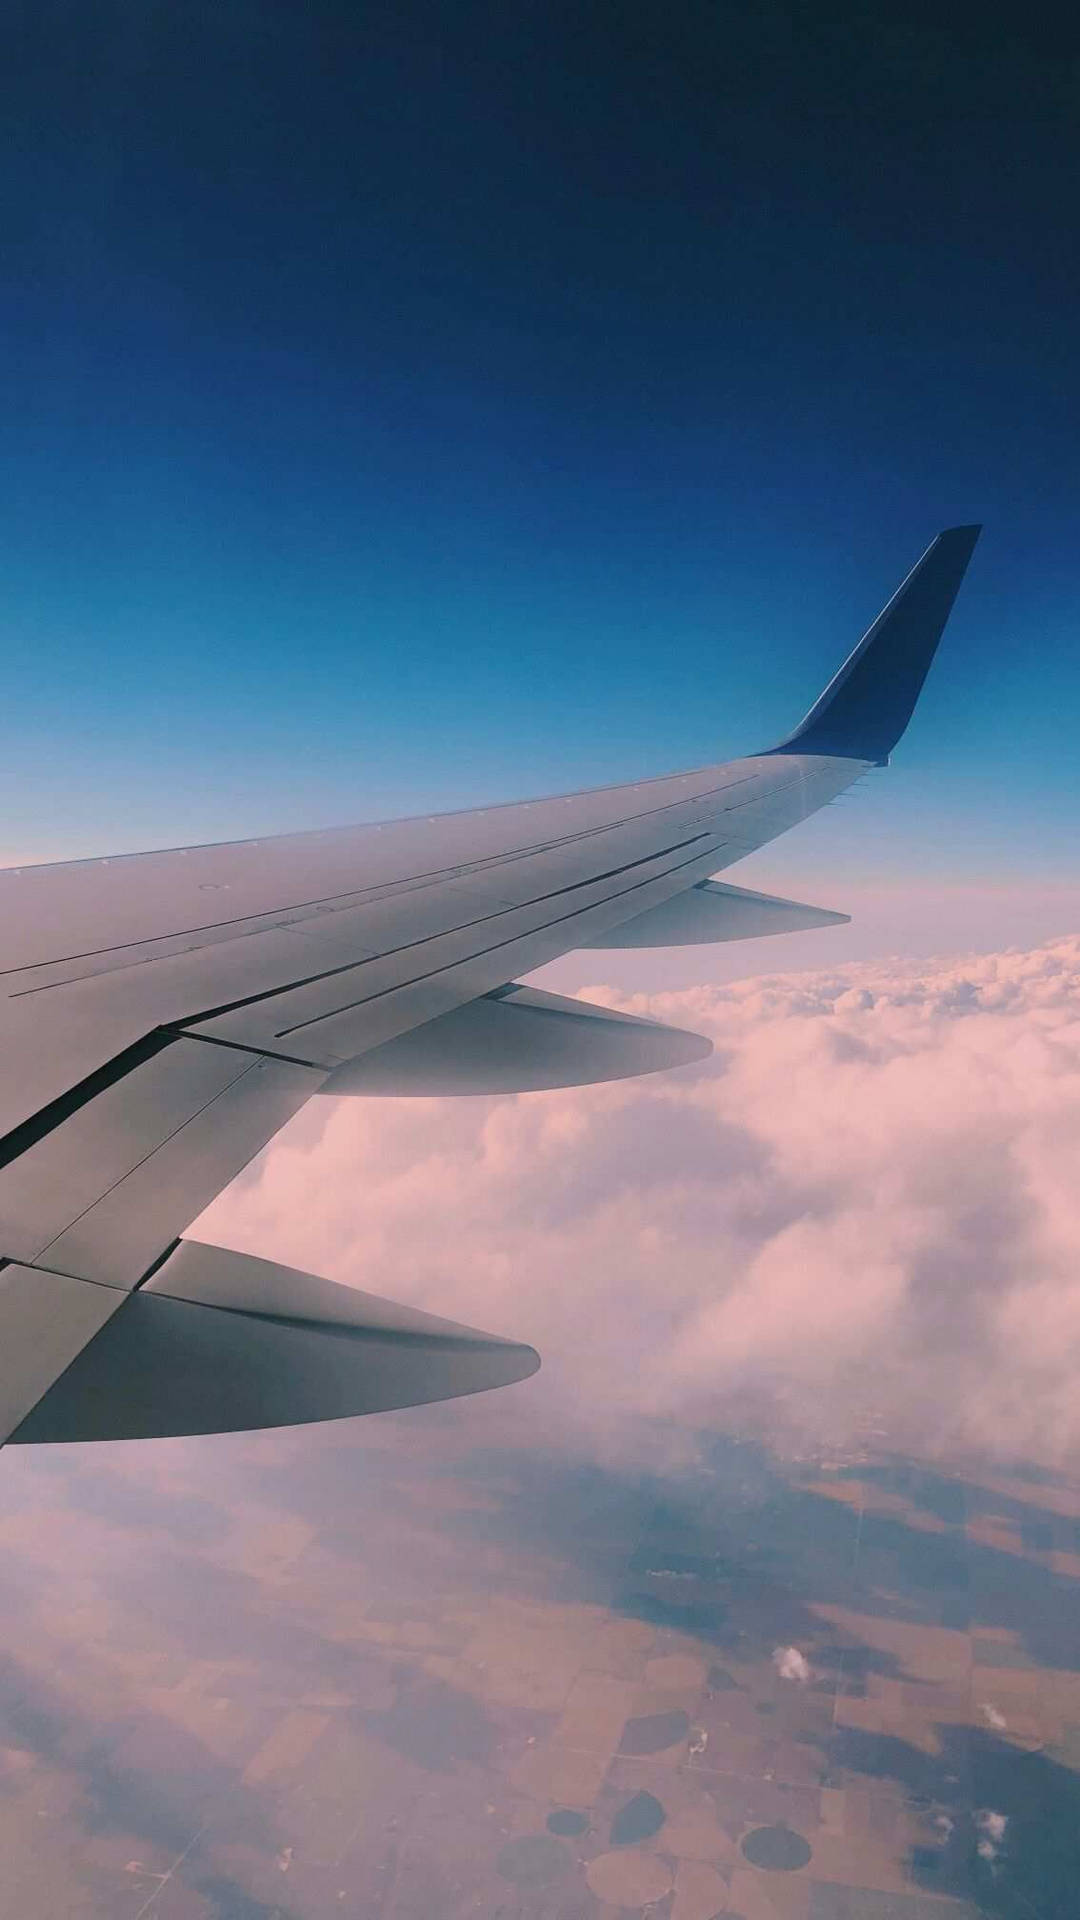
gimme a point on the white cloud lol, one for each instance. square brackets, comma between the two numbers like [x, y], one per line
[863, 1211]
[990, 1827]
[790, 1664]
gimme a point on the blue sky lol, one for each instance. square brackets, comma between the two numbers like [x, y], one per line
[404, 410]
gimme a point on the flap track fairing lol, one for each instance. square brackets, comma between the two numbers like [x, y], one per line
[517, 1040]
[220, 1342]
[712, 912]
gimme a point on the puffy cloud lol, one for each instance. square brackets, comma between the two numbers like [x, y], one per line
[863, 1214]
[991, 1828]
[790, 1664]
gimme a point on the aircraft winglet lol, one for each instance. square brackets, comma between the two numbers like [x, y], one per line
[867, 705]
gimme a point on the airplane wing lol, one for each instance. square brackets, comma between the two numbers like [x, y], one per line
[164, 1014]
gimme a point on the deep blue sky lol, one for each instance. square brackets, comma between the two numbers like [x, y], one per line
[411, 405]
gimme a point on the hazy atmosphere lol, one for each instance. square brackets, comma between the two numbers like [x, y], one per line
[410, 408]
[861, 1210]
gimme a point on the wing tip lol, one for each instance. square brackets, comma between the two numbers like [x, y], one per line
[866, 707]
[961, 537]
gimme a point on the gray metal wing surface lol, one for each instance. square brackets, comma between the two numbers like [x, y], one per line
[164, 1014]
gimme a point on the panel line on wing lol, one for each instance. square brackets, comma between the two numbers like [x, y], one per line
[188, 1120]
[363, 895]
[38, 1125]
[109, 1197]
[244, 1046]
[481, 952]
[389, 953]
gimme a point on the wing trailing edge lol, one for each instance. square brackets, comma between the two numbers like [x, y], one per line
[867, 705]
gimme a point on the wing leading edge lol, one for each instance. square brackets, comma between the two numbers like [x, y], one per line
[163, 1015]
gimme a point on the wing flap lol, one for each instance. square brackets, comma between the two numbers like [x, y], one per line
[712, 912]
[106, 1188]
[517, 1040]
[47, 1319]
[220, 1342]
[123, 1233]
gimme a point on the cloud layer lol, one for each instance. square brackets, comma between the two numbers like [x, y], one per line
[863, 1215]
